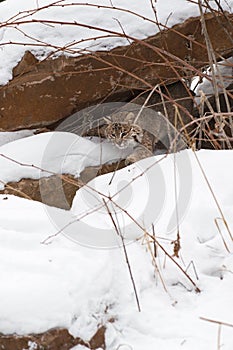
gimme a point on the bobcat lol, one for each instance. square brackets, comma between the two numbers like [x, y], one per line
[123, 132]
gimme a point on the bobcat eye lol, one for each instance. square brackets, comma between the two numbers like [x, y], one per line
[113, 135]
[123, 134]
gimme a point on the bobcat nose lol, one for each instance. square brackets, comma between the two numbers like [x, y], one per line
[122, 144]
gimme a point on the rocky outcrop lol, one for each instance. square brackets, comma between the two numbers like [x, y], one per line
[54, 339]
[25, 65]
[56, 190]
[45, 92]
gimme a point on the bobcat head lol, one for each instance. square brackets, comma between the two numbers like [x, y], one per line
[123, 134]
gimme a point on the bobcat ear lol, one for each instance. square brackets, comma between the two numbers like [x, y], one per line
[107, 120]
[130, 117]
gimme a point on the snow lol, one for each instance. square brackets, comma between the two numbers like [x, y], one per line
[65, 283]
[223, 74]
[79, 278]
[156, 204]
[10, 136]
[16, 38]
[43, 151]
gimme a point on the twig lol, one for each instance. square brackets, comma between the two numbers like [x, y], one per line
[219, 337]
[160, 246]
[217, 322]
[123, 31]
[194, 269]
[125, 253]
[24, 195]
[154, 241]
[220, 232]
[154, 261]
[145, 103]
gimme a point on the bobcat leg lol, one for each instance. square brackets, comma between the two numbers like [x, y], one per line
[139, 153]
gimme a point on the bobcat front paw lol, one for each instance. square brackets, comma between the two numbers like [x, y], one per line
[139, 154]
[131, 159]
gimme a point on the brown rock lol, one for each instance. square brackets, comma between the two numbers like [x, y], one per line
[56, 190]
[98, 340]
[51, 90]
[25, 65]
[54, 339]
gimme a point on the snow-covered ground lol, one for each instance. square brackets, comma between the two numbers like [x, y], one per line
[69, 281]
[135, 18]
[79, 279]
[66, 283]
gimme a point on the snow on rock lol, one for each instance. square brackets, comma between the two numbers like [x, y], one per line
[6, 137]
[53, 152]
[223, 74]
[52, 35]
